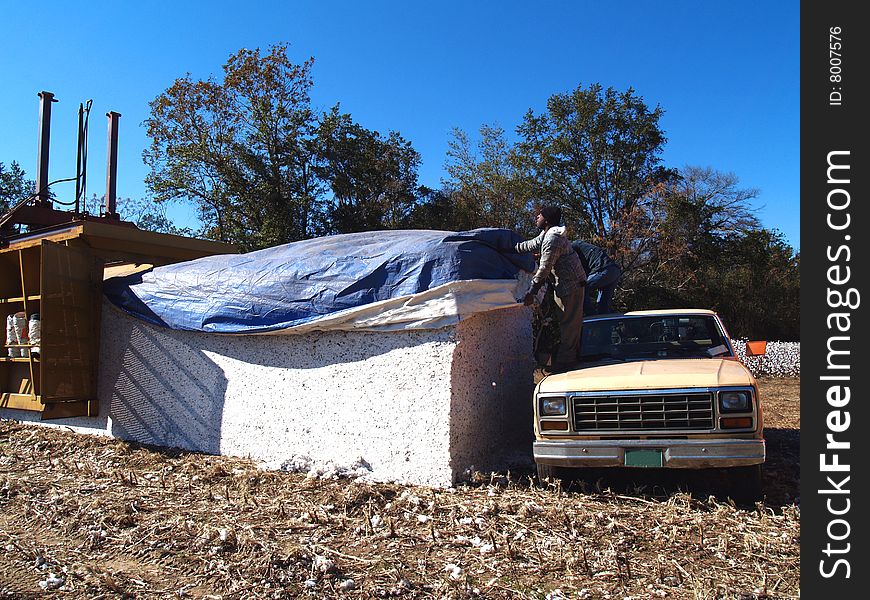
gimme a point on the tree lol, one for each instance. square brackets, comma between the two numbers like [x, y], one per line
[755, 285]
[13, 185]
[434, 209]
[489, 189]
[711, 252]
[242, 150]
[683, 238]
[262, 167]
[145, 214]
[702, 203]
[692, 214]
[151, 216]
[373, 179]
[594, 152]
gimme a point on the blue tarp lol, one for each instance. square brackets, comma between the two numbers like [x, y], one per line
[305, 282]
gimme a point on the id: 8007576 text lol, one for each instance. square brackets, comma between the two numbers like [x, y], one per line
[835, 65]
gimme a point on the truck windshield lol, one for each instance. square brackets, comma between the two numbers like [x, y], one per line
[650, 337]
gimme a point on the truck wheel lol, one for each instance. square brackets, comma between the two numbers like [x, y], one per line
[743, 484]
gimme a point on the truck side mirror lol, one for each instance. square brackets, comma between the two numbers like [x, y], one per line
[756, 348]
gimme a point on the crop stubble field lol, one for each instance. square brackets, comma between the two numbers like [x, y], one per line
[85, 517]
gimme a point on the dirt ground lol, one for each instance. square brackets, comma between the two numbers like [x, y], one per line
[85, 517]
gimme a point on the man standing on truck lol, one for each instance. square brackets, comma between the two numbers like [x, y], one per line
[558, 259]
[602, 276]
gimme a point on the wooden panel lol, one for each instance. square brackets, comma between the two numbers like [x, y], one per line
[58, 234]
[58, 272]
[10, 276]
[127, 243]
[20, 401]
[124, 269]
[62, 410]
[71, 280]
[30, 262]
[16, 377]
[174, 248]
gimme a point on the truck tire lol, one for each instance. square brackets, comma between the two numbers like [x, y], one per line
[743, 484]
[551, 473]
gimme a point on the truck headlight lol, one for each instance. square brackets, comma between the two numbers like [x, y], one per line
[734, 401]
[553, 406]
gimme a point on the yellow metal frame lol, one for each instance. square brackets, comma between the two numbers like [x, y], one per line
[125, 249]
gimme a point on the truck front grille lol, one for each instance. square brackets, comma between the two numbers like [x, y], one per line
[644, 412]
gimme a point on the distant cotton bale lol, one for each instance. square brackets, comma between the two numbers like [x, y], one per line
[782, 359]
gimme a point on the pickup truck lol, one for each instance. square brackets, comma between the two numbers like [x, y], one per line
[660, 389]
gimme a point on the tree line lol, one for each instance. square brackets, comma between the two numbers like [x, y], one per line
[262, 167]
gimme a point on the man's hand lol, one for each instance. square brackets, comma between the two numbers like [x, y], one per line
[529, 299]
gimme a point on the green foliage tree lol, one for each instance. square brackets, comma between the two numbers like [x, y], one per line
[595, 152]
[14, 186]
[373, 179]
[440, 209]
[262, 167]
[142, 212]
[242, 150]
[711, 252]
[709, 203]
[488, 188]
[683, 237]
[755, 285]
[691, 214]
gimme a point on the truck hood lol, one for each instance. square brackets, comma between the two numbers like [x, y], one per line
[650, 375]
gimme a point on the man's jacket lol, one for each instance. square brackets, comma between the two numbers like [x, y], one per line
[557, 257]
[594, 259]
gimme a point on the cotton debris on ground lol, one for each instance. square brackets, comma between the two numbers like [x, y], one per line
[101, 517]
[358, 469]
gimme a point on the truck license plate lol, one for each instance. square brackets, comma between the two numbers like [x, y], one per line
[643, 458]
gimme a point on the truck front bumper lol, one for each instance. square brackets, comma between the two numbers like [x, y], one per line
[675, 454]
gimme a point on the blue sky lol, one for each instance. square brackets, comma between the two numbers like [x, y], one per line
[726, 74]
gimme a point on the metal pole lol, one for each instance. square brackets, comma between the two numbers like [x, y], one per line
[112, 166]
[45, 100]
[79, 150]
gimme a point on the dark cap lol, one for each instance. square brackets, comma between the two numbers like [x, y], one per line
[553, 214]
